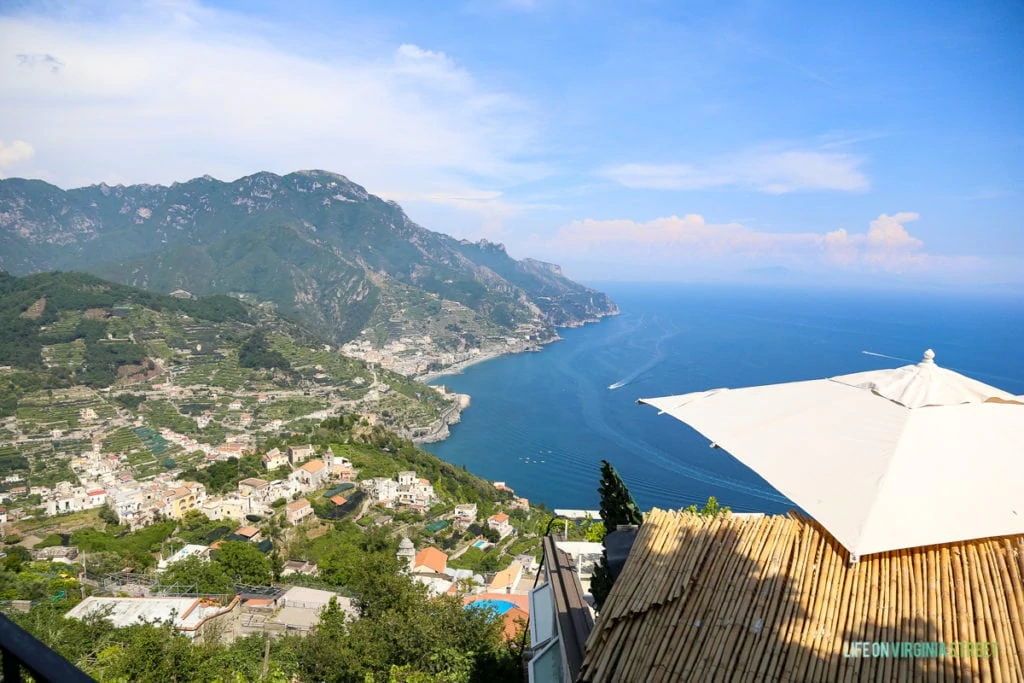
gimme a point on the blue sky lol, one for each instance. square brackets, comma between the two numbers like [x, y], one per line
[874, 144]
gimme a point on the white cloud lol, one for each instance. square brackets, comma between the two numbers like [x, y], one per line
[11, 154]
[886, 245]
[772, 171]
[163, 92]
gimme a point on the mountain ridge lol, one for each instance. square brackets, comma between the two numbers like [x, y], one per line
[315, 244]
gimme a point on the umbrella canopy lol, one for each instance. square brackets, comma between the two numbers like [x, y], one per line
[884, 460]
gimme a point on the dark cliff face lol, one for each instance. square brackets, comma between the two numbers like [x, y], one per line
[315, 244]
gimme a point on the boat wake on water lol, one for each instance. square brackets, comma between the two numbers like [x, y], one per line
[656, 360]
[882, 355]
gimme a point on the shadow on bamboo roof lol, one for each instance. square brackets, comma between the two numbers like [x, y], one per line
[773, 598]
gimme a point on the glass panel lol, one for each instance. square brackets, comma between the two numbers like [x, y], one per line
[546, 665]
[542, 615]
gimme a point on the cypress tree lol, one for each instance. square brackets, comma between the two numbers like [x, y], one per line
[617, 504]
[617, 507]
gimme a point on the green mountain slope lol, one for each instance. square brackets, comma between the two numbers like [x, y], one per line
[320, 247]
[61, 333]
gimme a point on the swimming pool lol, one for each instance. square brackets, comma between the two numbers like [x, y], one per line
[480, 544]
[499, 607]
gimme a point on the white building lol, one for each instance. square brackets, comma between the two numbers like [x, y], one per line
[189, 616]
[381, 489]
[500, 523]
[300, 454]
[274, 458]
[465, 515]
[298, 510]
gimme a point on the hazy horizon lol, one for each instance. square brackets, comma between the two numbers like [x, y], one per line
[830, 144]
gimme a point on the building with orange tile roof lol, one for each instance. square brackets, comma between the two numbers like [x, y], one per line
[430, 560]
[298, 510]
[500, 523]
[505, 580]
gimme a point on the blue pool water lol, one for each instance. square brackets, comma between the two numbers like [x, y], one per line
[542, 422]
[480, 544]
[499, 607]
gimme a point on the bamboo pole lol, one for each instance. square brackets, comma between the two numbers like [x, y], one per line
[763, 609]
[699, 610]
[885, 615]
[965, 628]
[950, 625]
[982, 618]
[735, 615]
[747, 637]
[820, 637]
[930, 585]
[998, 603]
[1013, 588]
[781, 663]
[730, 561]
[905, 627]
[854, 619]
[875, 566]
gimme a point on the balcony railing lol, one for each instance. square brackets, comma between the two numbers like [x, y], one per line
[21, 651]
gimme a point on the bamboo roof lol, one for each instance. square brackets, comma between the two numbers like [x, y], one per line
[773, 598]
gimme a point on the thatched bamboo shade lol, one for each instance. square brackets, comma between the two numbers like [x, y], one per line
[773, 598]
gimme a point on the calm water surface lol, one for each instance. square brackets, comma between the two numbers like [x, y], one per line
[542, 422]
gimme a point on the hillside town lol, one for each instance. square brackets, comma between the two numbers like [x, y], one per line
[301, 485]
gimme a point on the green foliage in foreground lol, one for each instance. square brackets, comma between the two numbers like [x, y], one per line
[710, 509]
[401, 635]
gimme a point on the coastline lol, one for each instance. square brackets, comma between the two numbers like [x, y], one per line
[458, 368]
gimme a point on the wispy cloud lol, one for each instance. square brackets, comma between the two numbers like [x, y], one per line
[13, 153]
[162, 92]
[771, 171]
[885, 245]
[34, 61]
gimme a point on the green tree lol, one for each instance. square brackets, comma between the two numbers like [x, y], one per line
[207, 576]
[16, 558]
[711, 508]
[617, 507]
[244, 562]
[108, 515]
[617, 504]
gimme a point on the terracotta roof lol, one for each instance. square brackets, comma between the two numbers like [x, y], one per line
[313, 466]
[500, 518]
[506, 577]
[97, 492]
[297, 505]
[769, 598]
[258, 602]
[433, 558]
[515, 619]
[247, 531]
[338, 500]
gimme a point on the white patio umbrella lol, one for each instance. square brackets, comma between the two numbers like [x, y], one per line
[885, 459]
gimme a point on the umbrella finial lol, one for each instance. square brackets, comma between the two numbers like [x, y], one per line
[929, 357]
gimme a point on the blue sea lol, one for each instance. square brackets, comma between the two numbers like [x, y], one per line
[542, 422]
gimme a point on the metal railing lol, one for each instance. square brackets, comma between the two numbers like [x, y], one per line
[20, 650]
